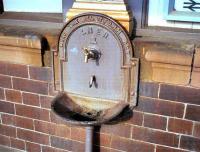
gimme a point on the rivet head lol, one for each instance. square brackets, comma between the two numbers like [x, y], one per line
[132, 93]
[133, 64]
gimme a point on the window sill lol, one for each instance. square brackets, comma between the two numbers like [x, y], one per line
[33, 20]
[31, 45]
[168, 34]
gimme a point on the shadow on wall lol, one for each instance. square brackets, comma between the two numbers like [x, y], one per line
[1, 6]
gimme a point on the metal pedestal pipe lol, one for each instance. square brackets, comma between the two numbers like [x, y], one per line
[89, 139]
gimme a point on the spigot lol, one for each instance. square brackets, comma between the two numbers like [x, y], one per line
[90, 54]
[92, 81]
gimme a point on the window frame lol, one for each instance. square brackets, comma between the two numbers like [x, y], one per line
[36, 6]
[192, 35]
[171, 14]
[31, 19]
[173, 28]
[136, 6]
[140, 13]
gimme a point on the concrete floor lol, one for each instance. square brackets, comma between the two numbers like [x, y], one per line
[6, 149]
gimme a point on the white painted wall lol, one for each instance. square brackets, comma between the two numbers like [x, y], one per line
[53, 6]
[157, 12]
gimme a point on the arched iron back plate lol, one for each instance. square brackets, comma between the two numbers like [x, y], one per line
[96, 61]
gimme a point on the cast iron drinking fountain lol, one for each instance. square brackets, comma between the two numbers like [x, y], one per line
[98, 73]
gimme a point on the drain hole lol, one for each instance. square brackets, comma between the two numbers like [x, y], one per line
[89, 113]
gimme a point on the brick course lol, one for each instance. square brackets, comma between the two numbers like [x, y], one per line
[5, 81]
[196, 132]
[50, 149]
[17, 121]
[154, 121]
[2, 95]
[180, 126]
[57, 119]
[13, 69]
[190, 143]
[137, 118]
[32, 147]
[30, 86]
[7, 107]
[192, 112]
[122, 130]
[154, 136]
[180, 94]
[102, 139]
[16, 143]
[32, 112]
[130, 145]
[4, 140]
[78, 134]
[161, 107]
[39, 73]
[45, 101]
[7, 130]
[167, 149]
[67, 144]
[52, 129]
[31, 99]
[13, 96]
[33, 136]
[149, 89]
[165, 114]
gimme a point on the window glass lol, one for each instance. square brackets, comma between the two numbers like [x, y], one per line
[174, 13]
[187, 5]
[50, 6]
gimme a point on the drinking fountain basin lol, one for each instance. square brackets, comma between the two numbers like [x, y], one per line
[79, 110]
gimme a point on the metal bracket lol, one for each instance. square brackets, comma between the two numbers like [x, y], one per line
[134, 82]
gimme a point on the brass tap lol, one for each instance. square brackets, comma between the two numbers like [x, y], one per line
[90, 54]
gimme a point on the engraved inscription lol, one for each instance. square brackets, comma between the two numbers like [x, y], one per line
[107, 26]
[88, 31]
[83, 32]
[126, 45]
[103, 21]
[89, 18]
[73, 23]
[98, 32]
[105, 35]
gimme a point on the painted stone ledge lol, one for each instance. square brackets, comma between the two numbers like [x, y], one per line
[170, 62]
[23, 49]
[196, 69]
[117, 9]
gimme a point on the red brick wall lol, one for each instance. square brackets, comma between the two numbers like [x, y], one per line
[167, 118]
